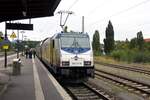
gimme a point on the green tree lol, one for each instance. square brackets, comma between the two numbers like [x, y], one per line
[1, 33]
[1, 36]
[109, 40]
[121, 45]
[140, 40]
[96, 42]
[147, 46]
[133, 43]
[127, 41]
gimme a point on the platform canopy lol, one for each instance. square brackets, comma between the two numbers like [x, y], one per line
[24, 9]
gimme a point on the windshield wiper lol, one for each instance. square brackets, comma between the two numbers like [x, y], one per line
[75, 43]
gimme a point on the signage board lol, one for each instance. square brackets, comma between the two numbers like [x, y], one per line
[5, 43]
[19, 26]
[5, 47]
[13, 35]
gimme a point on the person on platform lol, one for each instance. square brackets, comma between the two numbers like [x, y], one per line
[34, 53]
[30, 54]
[26, 53]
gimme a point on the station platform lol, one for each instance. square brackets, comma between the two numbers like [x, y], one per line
[34, 83]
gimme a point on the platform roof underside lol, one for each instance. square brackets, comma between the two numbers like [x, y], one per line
[25, 9]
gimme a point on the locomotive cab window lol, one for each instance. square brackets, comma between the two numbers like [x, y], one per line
[75, 41]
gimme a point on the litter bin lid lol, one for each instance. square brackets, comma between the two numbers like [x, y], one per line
[15, 60]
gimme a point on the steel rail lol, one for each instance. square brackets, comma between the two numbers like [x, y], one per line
[86, 92]
[137, 69]
[125, 81]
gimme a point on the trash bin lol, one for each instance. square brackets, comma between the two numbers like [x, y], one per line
[16, 67]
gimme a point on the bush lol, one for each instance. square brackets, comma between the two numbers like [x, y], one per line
[118, 54]
[96, 53]
[142, 57]
[131, 56]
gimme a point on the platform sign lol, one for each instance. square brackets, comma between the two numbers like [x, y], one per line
[5, 47]
[13, 35]
[5, 44]
[19, 26]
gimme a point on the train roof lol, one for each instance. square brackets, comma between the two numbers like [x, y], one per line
[43, 41]
[58, 35]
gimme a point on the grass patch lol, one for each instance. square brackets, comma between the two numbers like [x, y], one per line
[106, 59]
[111, 60]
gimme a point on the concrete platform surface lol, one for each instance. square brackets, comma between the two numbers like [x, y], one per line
[34, 83]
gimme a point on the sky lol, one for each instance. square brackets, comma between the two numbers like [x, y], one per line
[127, 16]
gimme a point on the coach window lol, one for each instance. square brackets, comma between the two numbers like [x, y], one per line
[53, 43]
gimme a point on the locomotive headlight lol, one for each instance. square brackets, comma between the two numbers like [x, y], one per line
[65, 63]
[87, 63]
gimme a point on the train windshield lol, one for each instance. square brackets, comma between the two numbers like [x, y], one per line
[75, 42]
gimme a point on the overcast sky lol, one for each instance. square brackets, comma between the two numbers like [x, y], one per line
[127, 16]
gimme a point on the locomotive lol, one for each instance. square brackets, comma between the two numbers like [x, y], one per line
[69, 55]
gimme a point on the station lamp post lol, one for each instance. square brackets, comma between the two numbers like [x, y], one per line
[22, 40]
[22, 34]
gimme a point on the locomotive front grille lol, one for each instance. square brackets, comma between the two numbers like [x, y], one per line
[65, 63]
[87, 63]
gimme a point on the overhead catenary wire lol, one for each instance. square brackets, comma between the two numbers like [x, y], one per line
[95, 8]
[120, 12]
[135, 27]
[71, 6]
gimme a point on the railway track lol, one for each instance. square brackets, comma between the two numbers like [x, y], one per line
[133, 68]
[132, 85]
[85, 91]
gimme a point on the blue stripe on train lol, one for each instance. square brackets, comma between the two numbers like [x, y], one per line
[75, 50]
